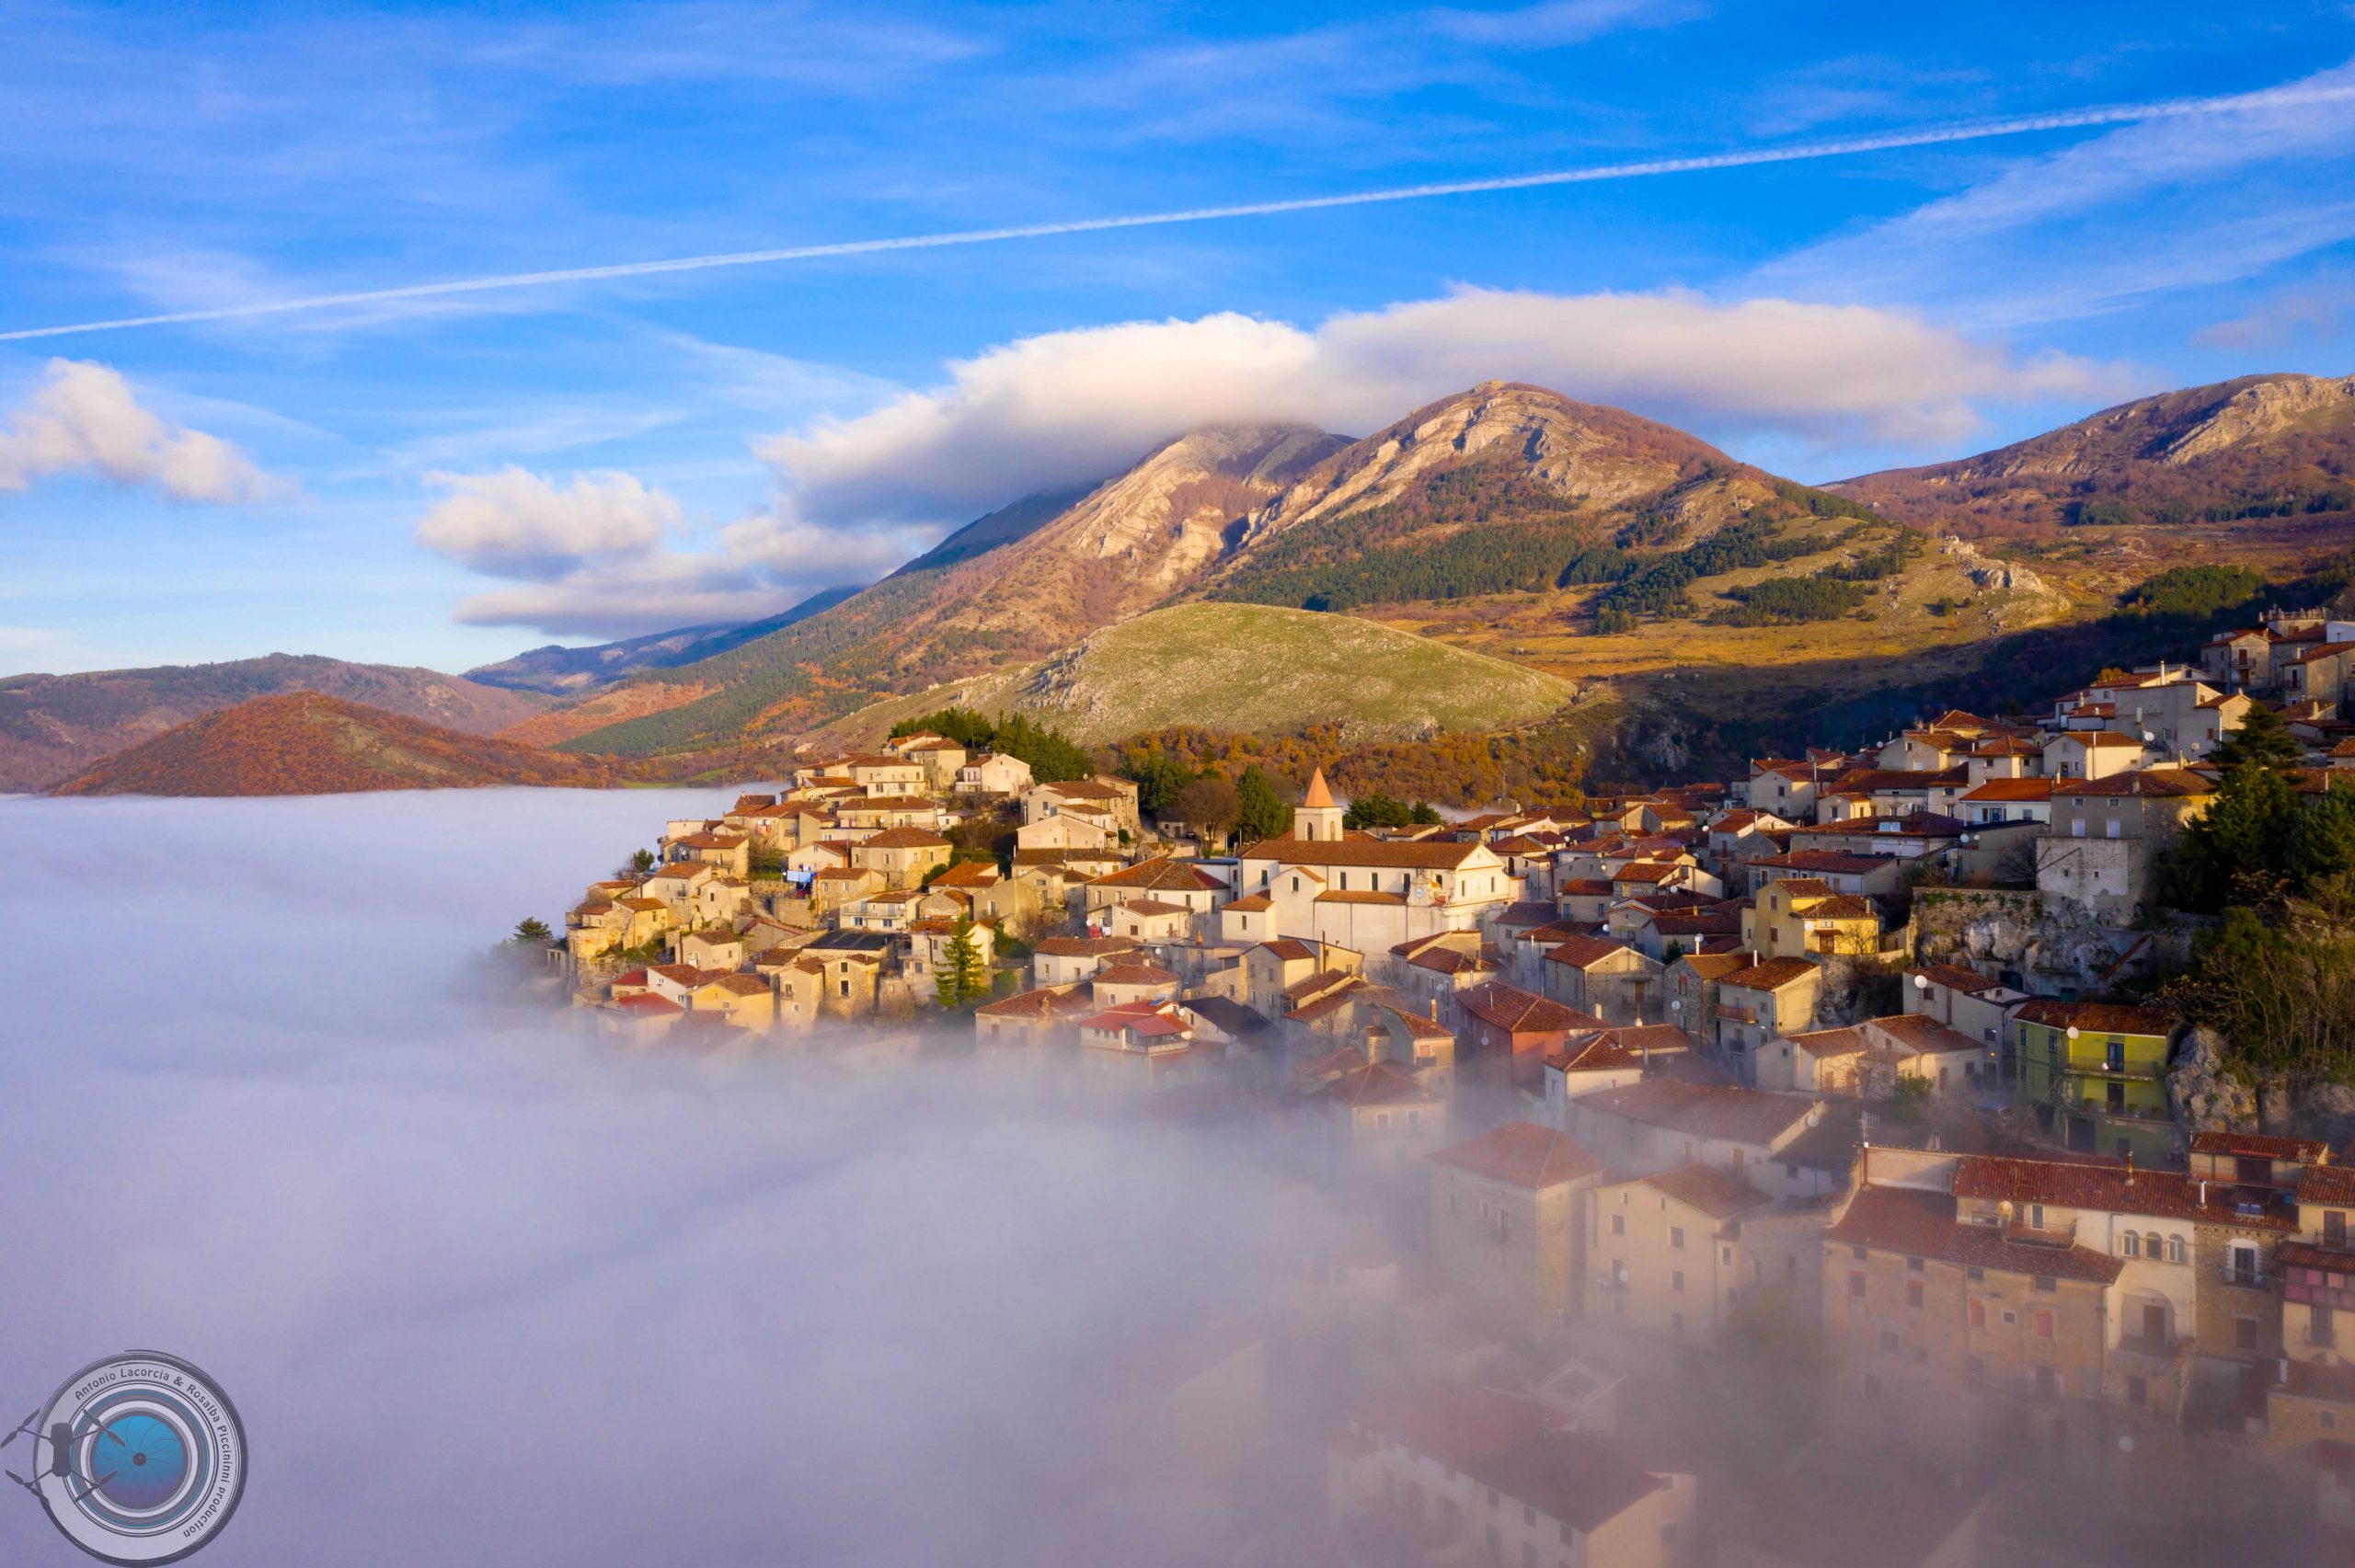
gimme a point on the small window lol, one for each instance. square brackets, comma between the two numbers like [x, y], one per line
[1618, 1224]
[1856, 1285]
[1676, 1236]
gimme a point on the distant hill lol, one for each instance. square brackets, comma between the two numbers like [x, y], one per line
[1252, 668]
[2269, 446]
[569, 671]
[51, 726]
[302, 743]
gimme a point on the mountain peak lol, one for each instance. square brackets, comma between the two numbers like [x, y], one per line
[1598, 455]
[2260, 445]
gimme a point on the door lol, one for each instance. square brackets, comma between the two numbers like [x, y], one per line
[2155, 1323]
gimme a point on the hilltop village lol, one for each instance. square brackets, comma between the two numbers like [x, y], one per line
[1849, 1074]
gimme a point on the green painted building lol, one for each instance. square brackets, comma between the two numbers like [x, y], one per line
[2096, 1074]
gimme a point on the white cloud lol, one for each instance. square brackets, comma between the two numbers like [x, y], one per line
[518, 524]
[1067, 406]
[599, 556]
[85, 418]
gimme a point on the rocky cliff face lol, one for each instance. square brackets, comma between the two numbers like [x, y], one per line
[1137, 538]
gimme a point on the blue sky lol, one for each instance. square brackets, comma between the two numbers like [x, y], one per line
[445, 480]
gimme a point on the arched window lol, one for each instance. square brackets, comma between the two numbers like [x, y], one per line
[2152, 1243]
[2175, 1249]
[2129, 1245]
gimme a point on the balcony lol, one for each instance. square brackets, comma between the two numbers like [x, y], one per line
[2245, 1278]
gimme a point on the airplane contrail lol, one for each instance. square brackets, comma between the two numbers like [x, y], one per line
[1968, 130]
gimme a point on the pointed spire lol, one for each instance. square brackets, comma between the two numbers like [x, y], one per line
[1320, 798]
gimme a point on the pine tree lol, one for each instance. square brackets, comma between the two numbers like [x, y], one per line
[2263, 739]
[531, 928]
[961, 979]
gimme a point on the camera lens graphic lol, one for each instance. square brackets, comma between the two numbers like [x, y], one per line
[146, 1458]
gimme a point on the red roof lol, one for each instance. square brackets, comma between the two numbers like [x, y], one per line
[1521, 1154]
[1719, 1193]
[1923, 1224]
[1518, 1011]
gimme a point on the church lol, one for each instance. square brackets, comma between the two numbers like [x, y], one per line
[1324, 883]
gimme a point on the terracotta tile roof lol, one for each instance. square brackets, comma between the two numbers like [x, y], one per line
[648, 1003]
[1585, 952]
[1719, 1193]
[1047, 1001]
[1083, 946]
[1255, 904]
[2096, 1017]
[1521, 1154]
[1585, 887]
[1827, 1044]
[1597, 1052]
[904, 839]
[1955, 977]
[1360, 896]
[1713, 967]
[2327, 1184]
[2259, 1146]
[742, 985]
[1418, 1025]
[1316, 984]
[2010, 789]
[1150, 909]
[1735, 1116]
[1134, 975]
[1290, 950]
[1921, 1032]
[1161, 874]
[2111, 1187]
[1379, 1084]
[1799, 888]
[1518, 1011]
[1376, 854]
[1923, 1224]
[968, 873]
[1450, 961]
[2152, 783]
[1771, 975]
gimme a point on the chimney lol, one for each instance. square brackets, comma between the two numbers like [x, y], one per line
[2204, 1192]
[2129, 1166]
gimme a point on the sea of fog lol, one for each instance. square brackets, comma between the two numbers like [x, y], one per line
[486, 1291]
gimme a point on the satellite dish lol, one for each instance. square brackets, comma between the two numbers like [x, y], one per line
[2073, 1031]
[1921, 982]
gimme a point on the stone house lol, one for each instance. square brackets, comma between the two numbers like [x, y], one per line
[994, 774]
[901, 855]
[1667, 1252]
[1505, 1220]
[1609, 980]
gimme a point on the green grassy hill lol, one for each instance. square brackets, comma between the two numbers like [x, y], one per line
[1249, 668]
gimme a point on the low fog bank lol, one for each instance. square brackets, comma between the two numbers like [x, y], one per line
[493, 1293]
